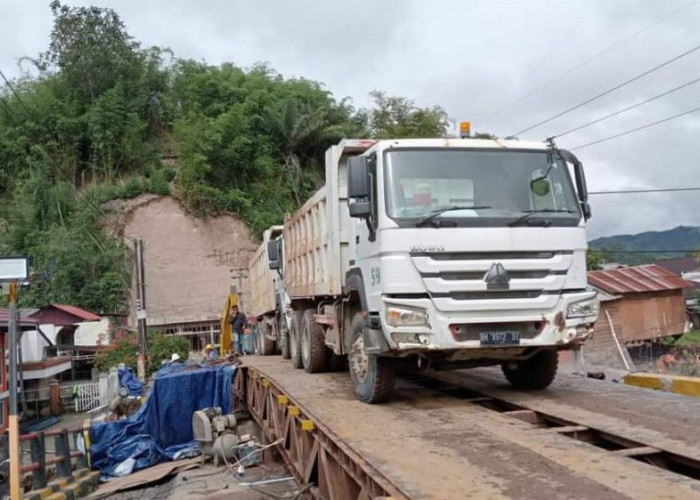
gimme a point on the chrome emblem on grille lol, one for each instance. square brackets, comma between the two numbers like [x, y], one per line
[497, 278]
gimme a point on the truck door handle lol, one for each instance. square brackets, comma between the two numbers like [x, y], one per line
[357, 239]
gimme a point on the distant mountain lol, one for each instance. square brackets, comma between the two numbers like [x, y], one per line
[649, 246]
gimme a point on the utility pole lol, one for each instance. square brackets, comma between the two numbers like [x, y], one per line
[13, 418]
[13, 270]
[238, 274]
[141, 313]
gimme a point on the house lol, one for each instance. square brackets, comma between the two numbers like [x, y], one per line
[679, 265]
[638, 304]
[59, 349]
[65, 330]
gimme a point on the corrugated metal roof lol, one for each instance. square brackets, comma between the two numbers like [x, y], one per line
[78, 312]
[638, 279]
[24, 320]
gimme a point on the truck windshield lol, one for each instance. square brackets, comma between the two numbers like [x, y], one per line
[497, 183]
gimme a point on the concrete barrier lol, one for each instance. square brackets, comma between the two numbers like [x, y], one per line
[688, 386]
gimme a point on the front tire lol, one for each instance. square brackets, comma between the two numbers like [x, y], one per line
[295, 338]
[265, 343]
[534, 373]
[284, 344]
[373, 377]
[313, 344]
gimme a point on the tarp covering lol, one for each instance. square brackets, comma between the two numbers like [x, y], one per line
[163, 425]
[128, 379]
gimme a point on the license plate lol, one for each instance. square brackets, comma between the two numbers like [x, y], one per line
[499, 338]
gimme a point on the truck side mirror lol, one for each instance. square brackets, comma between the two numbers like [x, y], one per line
[273, 255]
[358, 177]
[359, 187]
[360, 209]
[586, 209]
[580, 178]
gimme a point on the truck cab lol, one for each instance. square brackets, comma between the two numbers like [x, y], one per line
[467, 252]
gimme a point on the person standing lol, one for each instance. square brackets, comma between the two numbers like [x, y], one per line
[238, 322]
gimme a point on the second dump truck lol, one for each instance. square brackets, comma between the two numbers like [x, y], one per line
[268, 300]
[441, 253]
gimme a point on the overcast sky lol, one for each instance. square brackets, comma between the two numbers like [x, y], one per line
[474, 58]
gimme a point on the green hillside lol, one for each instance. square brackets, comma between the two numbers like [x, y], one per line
[648, 246]
[100, 114]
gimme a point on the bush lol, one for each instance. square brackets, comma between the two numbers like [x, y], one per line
[125, 350]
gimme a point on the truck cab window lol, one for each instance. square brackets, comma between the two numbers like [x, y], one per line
[497, 184]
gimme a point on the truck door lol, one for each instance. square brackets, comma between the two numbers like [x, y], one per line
[367, 243]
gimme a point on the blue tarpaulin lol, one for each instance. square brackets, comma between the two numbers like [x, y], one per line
[163, 425]
[128, 379]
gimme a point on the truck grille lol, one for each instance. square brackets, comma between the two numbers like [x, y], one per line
[460, 277]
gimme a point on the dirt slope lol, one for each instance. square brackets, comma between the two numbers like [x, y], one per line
[189, 261]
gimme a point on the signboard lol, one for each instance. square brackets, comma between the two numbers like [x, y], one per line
[14, 268]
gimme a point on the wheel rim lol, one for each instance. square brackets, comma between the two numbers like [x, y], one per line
[359, 361]
[305, 344]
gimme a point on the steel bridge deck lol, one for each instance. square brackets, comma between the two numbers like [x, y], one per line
[467, 436]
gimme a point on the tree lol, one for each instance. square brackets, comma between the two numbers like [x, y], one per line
[91, 48]
[594, 259]
[396, 117]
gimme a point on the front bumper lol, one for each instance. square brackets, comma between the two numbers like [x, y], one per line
[556, 331]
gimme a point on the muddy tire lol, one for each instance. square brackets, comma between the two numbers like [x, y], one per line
[295, 339]
[266, 346]
[313, 344]
[373, 377]
[535, 373]
[284, 344]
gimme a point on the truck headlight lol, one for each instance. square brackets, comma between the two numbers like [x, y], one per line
[583, 308]
[404, 316]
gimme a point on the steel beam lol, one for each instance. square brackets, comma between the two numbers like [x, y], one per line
[313, 453]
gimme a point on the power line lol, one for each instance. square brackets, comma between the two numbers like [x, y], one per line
[635, 191]
[637, 129]
[588, 60]
[628, 108]
[611, 90]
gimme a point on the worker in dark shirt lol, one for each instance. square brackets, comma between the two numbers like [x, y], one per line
[238, 322]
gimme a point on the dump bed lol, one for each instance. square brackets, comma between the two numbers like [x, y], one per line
[261, 280]
[316, 236]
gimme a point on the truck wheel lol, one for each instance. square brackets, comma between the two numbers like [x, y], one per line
[313, 344]
[534, 373]
[294, 339]
[266, 345]
[284, 344]
[373, 377]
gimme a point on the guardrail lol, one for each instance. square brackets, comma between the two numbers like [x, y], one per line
[63, 457]
[314, 454]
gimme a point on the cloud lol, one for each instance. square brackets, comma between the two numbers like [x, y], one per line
[473, 58]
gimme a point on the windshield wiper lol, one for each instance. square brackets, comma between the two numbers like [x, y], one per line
[440, 211]
[530, 213]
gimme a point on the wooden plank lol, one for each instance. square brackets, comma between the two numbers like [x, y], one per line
[635, 452]
[567, 429]
[146, 476]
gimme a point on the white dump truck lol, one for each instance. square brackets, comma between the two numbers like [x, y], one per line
[268, 300]
[442, 253]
